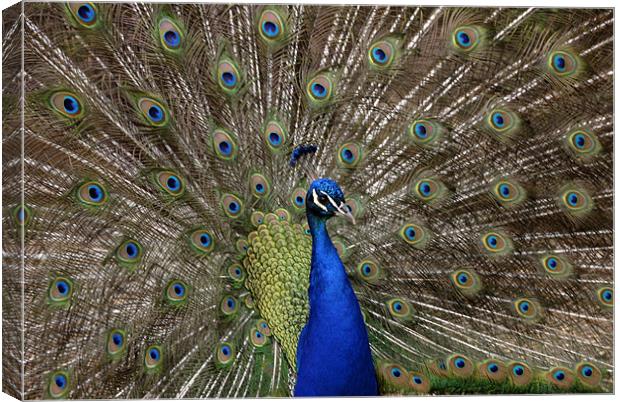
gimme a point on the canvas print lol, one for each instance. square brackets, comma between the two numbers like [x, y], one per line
[236, 200]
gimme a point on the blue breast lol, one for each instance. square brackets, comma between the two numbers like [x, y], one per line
[333, 354]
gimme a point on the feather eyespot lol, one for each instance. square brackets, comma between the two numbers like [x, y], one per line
[496, 243]
[428, 189]
[236, 274]
[466, 281]
[520, 374]
[319, 89]
[129, 252]
[22, 215]
[85, 14]
[466, 38]
[274, 135]
[257, 218]
[341, 248]
[508, 192]
[556, 266]
[368, 270]
[60, 291]
[503, 124]
[224, 144]
[153, 358]
[202, 241]
[232, 206]
[298, 198]
[583, 144]
[170, 182]
[283, 215]
[228, 76]
[154, 112]
[257, 338]
[563, 63]
[176, 292]
[419, 382]
[561, 377]
[395, 374]
[225, 354]
[115, 344]
[382, 53]
[260, 186]
[527, 309]
[501, 121]
[92, 193]
[271, 26]
[415, 235]
[460, 366]
[576, 201]
[67, 104]
[170, 34]
[349, 155]
[229, 305]
[425, 133]
[493, 370]
[588, 374]
[263, 327]
[399, 309]
[605, 296]
[58, 384]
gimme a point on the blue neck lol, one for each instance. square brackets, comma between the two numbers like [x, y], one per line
[327, 273]
[333, 355]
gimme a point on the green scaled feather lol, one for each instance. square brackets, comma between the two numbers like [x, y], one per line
[278, 257]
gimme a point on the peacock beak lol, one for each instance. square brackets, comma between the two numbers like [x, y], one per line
[345, 212]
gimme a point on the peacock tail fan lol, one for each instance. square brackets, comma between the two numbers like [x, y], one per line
[155, 175]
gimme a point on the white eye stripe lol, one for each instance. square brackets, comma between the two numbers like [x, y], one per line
[315, 197]
[331, 200]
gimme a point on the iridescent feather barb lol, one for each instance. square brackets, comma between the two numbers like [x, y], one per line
[166, 176]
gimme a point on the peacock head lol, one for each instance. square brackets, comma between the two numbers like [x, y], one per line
[325, 199]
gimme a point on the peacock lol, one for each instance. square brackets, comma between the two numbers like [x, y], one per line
[224, 200]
